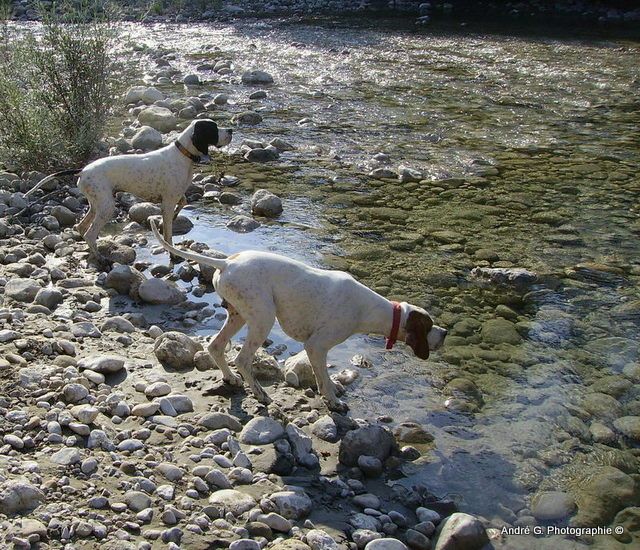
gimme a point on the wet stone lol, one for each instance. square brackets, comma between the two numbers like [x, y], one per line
[629, 426]
[552, 505]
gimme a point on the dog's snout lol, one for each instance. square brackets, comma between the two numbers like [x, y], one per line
[230, 130]
[445, 333]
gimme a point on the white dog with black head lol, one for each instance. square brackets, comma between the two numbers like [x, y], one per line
[161, 176]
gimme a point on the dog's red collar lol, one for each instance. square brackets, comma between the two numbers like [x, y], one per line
[186, 153]
[395, 327]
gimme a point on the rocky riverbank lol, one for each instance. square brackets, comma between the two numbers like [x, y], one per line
[117, 432]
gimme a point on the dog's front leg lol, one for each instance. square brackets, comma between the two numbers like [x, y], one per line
[317, 353]
[167, 221]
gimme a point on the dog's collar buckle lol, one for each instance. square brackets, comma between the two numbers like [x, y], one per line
[186, 152]
[395, 327]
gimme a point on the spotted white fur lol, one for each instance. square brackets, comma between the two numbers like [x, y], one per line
[318, 307]
[161, 176]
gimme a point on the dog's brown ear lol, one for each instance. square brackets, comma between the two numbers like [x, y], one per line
[417, 327]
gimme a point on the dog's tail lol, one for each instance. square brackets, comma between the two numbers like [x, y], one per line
[38, 185]
[218, 263]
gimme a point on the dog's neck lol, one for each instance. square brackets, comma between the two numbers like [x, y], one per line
[379, 318]
[184, 139]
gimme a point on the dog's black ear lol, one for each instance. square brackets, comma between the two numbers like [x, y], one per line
[205, 133]
[418, 326]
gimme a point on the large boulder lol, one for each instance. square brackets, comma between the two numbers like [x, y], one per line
[104, 364]
[603, 492]
[160, 291]
[125, 279]
[160, 118]
[292, 504]
[261, 430]
[22, 290]
[151, 95]
[65, 217]
[265, 203]
[370, 441]
[232, 501]
[256, 77]
[461, 532]
[147, 139]
[176, 350]
[18, 496]
[298, 371]
[116, 252]
[249, 118]
[260, 154]
[181, 225]
[142, 211]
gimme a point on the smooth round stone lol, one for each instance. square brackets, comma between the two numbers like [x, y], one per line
[261, 431]
[232, 501]
[385, 544]
[244, 544]
[552, 505]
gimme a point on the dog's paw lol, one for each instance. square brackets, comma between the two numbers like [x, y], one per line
[338, 406]
[233, 380]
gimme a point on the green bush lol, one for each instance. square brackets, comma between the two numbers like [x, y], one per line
[58, 84]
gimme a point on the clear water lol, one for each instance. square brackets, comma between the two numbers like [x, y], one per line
[530, 149]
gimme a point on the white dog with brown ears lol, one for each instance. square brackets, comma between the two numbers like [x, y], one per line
[317, 307]
[161, 176]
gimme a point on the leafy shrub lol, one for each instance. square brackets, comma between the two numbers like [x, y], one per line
[58, 84]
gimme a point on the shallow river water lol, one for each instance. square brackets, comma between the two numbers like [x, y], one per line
[530, 153]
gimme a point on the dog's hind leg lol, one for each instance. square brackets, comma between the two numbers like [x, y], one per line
[102, 216]
[218, 344]
[84, 224]
[262, 320]
[317, 353]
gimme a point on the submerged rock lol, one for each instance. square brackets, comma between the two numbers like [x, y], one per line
[552, 505]
[516, 276]
[500, 331]
[601, 493]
